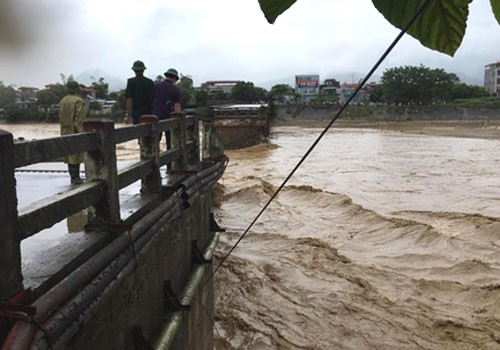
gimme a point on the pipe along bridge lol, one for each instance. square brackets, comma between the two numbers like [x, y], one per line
[136, 276]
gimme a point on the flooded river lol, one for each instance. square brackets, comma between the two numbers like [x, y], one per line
[381, 240]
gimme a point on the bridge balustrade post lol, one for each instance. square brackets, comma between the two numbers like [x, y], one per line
[179, 141]
[11, 279]
[194, 135]
[150, 150]
[101, 165]
[206, 124]
[212, 145]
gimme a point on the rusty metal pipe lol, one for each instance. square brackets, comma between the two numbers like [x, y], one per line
[66, 315]
[212, 180]
[21, 334]
[89, 313]
[212, 177]
[216, 172]
[188, 192]
[189, 181]
[170, 330]
[209, 170]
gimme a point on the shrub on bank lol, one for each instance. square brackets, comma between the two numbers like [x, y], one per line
[204, 112]
[14, 113]
[477, 102]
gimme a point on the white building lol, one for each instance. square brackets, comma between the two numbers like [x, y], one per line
[307, 86]
[219, 85]
[492, 78]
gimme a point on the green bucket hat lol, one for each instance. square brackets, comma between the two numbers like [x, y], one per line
[73, 86]
[138, 66]
[172, 72]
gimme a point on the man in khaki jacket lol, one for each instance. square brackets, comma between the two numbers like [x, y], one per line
[71, 117]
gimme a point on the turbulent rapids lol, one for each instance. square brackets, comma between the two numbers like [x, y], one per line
[382, 241]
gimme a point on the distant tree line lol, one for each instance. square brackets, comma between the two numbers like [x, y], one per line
[406, 85]
[419, 85]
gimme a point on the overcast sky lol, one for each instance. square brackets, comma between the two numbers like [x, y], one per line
[220, 39]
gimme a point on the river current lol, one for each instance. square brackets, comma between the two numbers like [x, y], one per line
[381, 240]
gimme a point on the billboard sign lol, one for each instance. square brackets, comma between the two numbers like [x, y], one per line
[307, 81]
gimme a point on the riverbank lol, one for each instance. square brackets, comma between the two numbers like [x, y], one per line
[484, 129]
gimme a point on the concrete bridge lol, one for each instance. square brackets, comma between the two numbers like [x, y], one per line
[241, 126]
[136, 273]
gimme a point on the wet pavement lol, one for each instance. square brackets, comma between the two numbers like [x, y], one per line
[45, 253]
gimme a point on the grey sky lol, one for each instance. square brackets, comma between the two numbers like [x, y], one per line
[221, 39]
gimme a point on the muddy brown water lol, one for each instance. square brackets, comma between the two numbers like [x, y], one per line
[382, 240]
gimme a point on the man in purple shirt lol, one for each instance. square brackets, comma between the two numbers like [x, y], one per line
[167, 98]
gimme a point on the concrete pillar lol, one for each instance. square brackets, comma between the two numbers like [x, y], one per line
[101, 165]
[179, 141]
[150, 150]
[206, 125]
[194, 135]
[11, 279]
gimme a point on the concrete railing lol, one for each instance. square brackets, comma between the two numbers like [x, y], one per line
[103, 181]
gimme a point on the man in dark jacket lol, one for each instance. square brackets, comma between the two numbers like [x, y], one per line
[139, 94]
[167, 98]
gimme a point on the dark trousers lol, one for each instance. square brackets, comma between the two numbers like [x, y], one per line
[135, 117]
[74, 173]
[168, 137]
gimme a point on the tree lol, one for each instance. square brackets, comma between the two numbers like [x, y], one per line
[417, 85]
[246, 92]
[46, 97]
[279, 91]
[201, 97]
[8, 95]
[462, 91]
[440, 27]
[101, 88]
[95, 107]
[218, 95]
[159, 79]
[261, 94]
[185, 85]
[377, 94]
[51, 95]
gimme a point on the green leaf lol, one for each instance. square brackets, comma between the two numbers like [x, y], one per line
[495, 5]
[273, 8]
[441, 27]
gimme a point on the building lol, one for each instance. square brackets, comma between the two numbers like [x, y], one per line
[27, 93]
[347, 89]
[492, 78]
[330, 87]
[219, 85]
[307, 86]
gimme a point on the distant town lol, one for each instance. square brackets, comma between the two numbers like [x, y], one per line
[412, 85]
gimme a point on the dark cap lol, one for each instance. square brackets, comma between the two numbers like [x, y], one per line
[172, 72]
[138, 66]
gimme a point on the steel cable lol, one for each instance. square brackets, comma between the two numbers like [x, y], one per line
[420, 10]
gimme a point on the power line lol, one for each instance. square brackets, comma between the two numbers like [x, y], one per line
[420, 10]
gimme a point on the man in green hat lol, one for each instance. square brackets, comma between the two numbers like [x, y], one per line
[71, 118]
[139, 94]
[167, 98]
